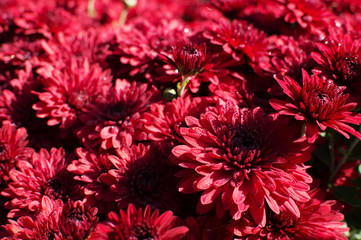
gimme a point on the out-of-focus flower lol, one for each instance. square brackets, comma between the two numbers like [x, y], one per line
[69, 91]
[13, 145]
[243, 160]
[318, 220]
[139, 224]
[312, 15]
[318, 102]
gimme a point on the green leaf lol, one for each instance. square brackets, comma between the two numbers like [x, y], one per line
[349, 195]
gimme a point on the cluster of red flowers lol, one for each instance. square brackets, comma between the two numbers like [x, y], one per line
[178, 119]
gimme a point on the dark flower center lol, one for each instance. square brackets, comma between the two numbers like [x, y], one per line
[78, 99]
[54, 188]
[190, 51]
[143, 183]
[143, 232]
[279, 223]
[350, 69]
[243, 146]
[76, 215]
[323, 97]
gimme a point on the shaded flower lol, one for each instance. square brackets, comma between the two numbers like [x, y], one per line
[143, 177]
[136, 224]
[320, 103]
[207, 227]
[77, 220]
[13, 148]
[115, 121]
[318, 220]
[243, 160]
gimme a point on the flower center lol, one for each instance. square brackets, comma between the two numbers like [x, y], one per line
[349, 69]
[143, 184]
[243, 147]
[279, 223]
[53, 188]
[142, 231]
[322, 97]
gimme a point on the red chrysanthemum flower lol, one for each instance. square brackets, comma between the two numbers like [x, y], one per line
[136, 224]
[91, 44]
[49, 18]
[292, 55]
[42, 175]
[245, 43]
[91, 170]
[115, 121]
[70, 90]
[249, 93]
[163, 122]
[318, 220]
[243, 160]
[143, 177]
[188, 59]
[44, 226]
[13, 148]
[339, 59]
[139, 44]
[312, 15]
[77, 220]
[320, 103]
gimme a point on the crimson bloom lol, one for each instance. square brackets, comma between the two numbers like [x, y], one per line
[43, 226]
[163, 121]
[245, 43]
[115, 120]
[42, 175]
[320, 103]
[318, 220]
[136, 224]
[70, 90]
[243, 160]
[143, 177]
[339, 59]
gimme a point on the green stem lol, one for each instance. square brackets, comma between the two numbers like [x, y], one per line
[345, 157]
[182, 86]
[91, 8]
[123, 16]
